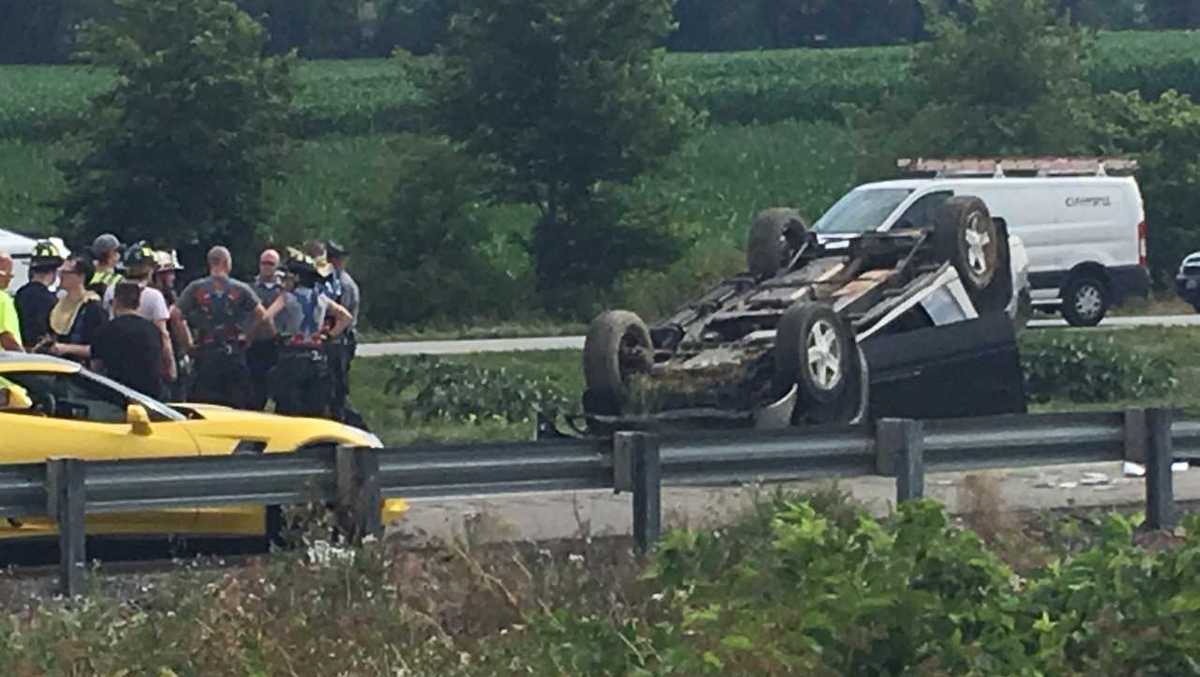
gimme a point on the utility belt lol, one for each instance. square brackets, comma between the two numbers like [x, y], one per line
[346, 338]
[296, 347]
[215, 347]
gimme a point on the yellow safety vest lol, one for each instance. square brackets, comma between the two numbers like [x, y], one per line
[106, 278]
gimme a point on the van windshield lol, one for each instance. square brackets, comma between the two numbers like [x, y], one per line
[862, 210]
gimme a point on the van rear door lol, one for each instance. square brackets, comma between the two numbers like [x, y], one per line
[1096, 222]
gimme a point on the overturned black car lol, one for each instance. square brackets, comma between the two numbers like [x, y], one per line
[907, 323]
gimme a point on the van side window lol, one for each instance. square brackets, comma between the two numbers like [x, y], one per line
[920, 214]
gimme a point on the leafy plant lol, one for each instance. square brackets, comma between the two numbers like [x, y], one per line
[1086, 369]
[431, 388]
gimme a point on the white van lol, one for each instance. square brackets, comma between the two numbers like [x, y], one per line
[19, 247]
[1085, 235]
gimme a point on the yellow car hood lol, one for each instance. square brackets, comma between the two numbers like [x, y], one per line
[216, 428]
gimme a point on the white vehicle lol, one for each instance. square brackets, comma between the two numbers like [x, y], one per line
[1084, 232]
[21, 247]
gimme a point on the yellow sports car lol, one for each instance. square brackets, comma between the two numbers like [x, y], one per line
[52, 407]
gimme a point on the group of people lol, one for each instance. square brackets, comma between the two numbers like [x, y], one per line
[286, 337]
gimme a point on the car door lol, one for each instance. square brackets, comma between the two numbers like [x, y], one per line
[76, 415]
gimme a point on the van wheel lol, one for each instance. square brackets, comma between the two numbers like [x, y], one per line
[774, 236]
[1085, 302]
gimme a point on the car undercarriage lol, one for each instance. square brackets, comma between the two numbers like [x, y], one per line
[903, 323]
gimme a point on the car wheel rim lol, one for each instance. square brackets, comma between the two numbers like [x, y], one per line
[824, 355]
[977, 237]
[631, 356]
[1089, 301]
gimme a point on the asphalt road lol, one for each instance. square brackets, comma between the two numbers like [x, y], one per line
[581, 514]
[576, 342]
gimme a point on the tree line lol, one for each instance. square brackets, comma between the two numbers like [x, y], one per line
[46, 31]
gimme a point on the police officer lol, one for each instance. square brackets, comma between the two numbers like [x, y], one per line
[343, 348]
[302, 380]
[35, 299]
[106, 253]
[217, 308]
[263, 352]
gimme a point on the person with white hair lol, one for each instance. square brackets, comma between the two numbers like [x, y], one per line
[10, 324]
[218, 309]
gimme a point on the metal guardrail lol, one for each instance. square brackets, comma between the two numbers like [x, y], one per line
[357, 480]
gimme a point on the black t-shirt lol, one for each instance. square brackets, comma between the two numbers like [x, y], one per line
[88, 320]
[34, 303]
[130, 348]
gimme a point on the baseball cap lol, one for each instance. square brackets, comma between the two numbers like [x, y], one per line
[335, 250]
[104, 244]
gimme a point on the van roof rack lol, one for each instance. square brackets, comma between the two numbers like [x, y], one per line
[999, 166]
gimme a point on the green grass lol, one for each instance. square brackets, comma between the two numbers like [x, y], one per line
[715, 183]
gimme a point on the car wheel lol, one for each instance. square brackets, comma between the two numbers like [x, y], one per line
[813, 348]
[617, 347]
[966, 236]
[1085, 302]
[774, 236]
[850, 407]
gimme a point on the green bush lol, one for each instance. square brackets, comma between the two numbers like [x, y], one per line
[1086, 369]
[819, 591]
[421, 247]
[432, 389]
[807, 585]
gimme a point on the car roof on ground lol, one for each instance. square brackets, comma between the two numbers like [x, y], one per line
[12, 361]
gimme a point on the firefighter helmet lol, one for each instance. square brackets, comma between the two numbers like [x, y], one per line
[48, 254]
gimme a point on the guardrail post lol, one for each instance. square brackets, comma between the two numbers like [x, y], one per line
[1136, 435]
[359, 498]
[646, 476]
[908, 436]
[65, 504]
[1160, 491]
[889, 437]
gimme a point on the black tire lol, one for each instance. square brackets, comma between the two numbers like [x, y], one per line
[965, 235]
[617, 346]
[774, 236]
[852, 404]
[1024, 310]
[1085, 301]
[800, 331]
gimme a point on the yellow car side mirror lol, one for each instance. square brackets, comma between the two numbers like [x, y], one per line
[138, 419]
[14, 398]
